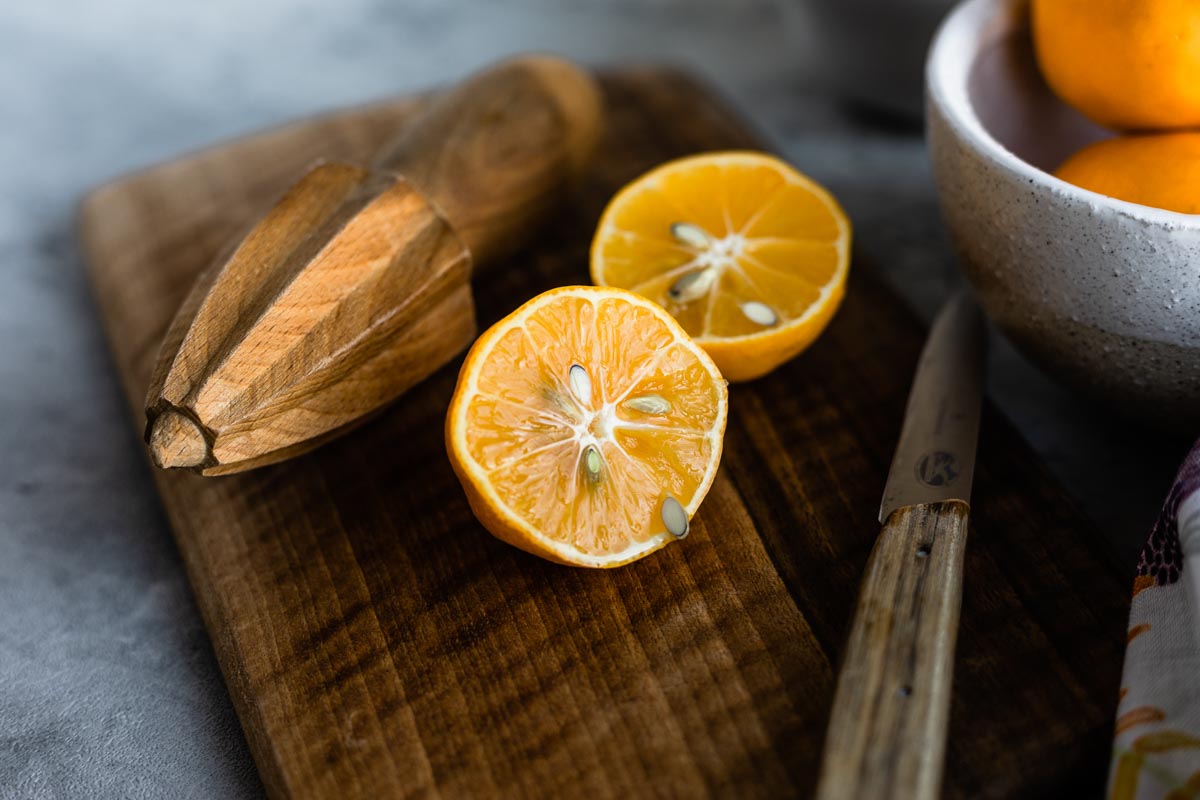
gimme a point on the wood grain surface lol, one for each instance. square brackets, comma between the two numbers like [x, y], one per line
[377, 642]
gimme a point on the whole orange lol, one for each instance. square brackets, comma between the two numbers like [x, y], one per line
[1126, 64]
[1159, 170]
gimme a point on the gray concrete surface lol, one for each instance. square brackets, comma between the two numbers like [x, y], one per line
[108, 685]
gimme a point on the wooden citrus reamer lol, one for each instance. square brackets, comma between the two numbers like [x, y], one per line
[355, 285]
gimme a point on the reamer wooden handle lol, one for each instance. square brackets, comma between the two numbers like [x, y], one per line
[495, 153]
[887, 730]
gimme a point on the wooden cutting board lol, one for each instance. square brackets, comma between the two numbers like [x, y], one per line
[377, 642]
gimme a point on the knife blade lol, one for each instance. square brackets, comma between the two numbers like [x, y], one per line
[887, 729]
[935, 459]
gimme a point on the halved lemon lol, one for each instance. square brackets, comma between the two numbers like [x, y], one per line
[586, 427]
[749, 255]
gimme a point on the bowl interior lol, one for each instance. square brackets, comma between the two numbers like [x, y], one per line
[1016, 106]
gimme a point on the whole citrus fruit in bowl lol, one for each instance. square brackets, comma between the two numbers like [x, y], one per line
[1126, 64]
[1160, 170]
[1103, 293]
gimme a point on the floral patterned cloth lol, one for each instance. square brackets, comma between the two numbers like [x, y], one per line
[1156, 753]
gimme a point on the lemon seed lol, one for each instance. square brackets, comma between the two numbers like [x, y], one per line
[581, 384]
[675, 518]
[649, 404]
[691, 235]
[592, 462]
[692, 285]
[759, 313]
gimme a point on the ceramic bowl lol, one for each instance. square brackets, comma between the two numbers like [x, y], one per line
[1102, 293]
[873, 51]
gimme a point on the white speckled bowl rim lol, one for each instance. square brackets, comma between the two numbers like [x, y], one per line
[971, 27]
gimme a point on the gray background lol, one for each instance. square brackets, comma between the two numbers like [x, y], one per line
[108, 685]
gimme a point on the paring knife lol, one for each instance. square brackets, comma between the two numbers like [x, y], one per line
[887, 731]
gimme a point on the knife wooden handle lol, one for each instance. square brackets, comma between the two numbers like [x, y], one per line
[887, 730]
[495, 153]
